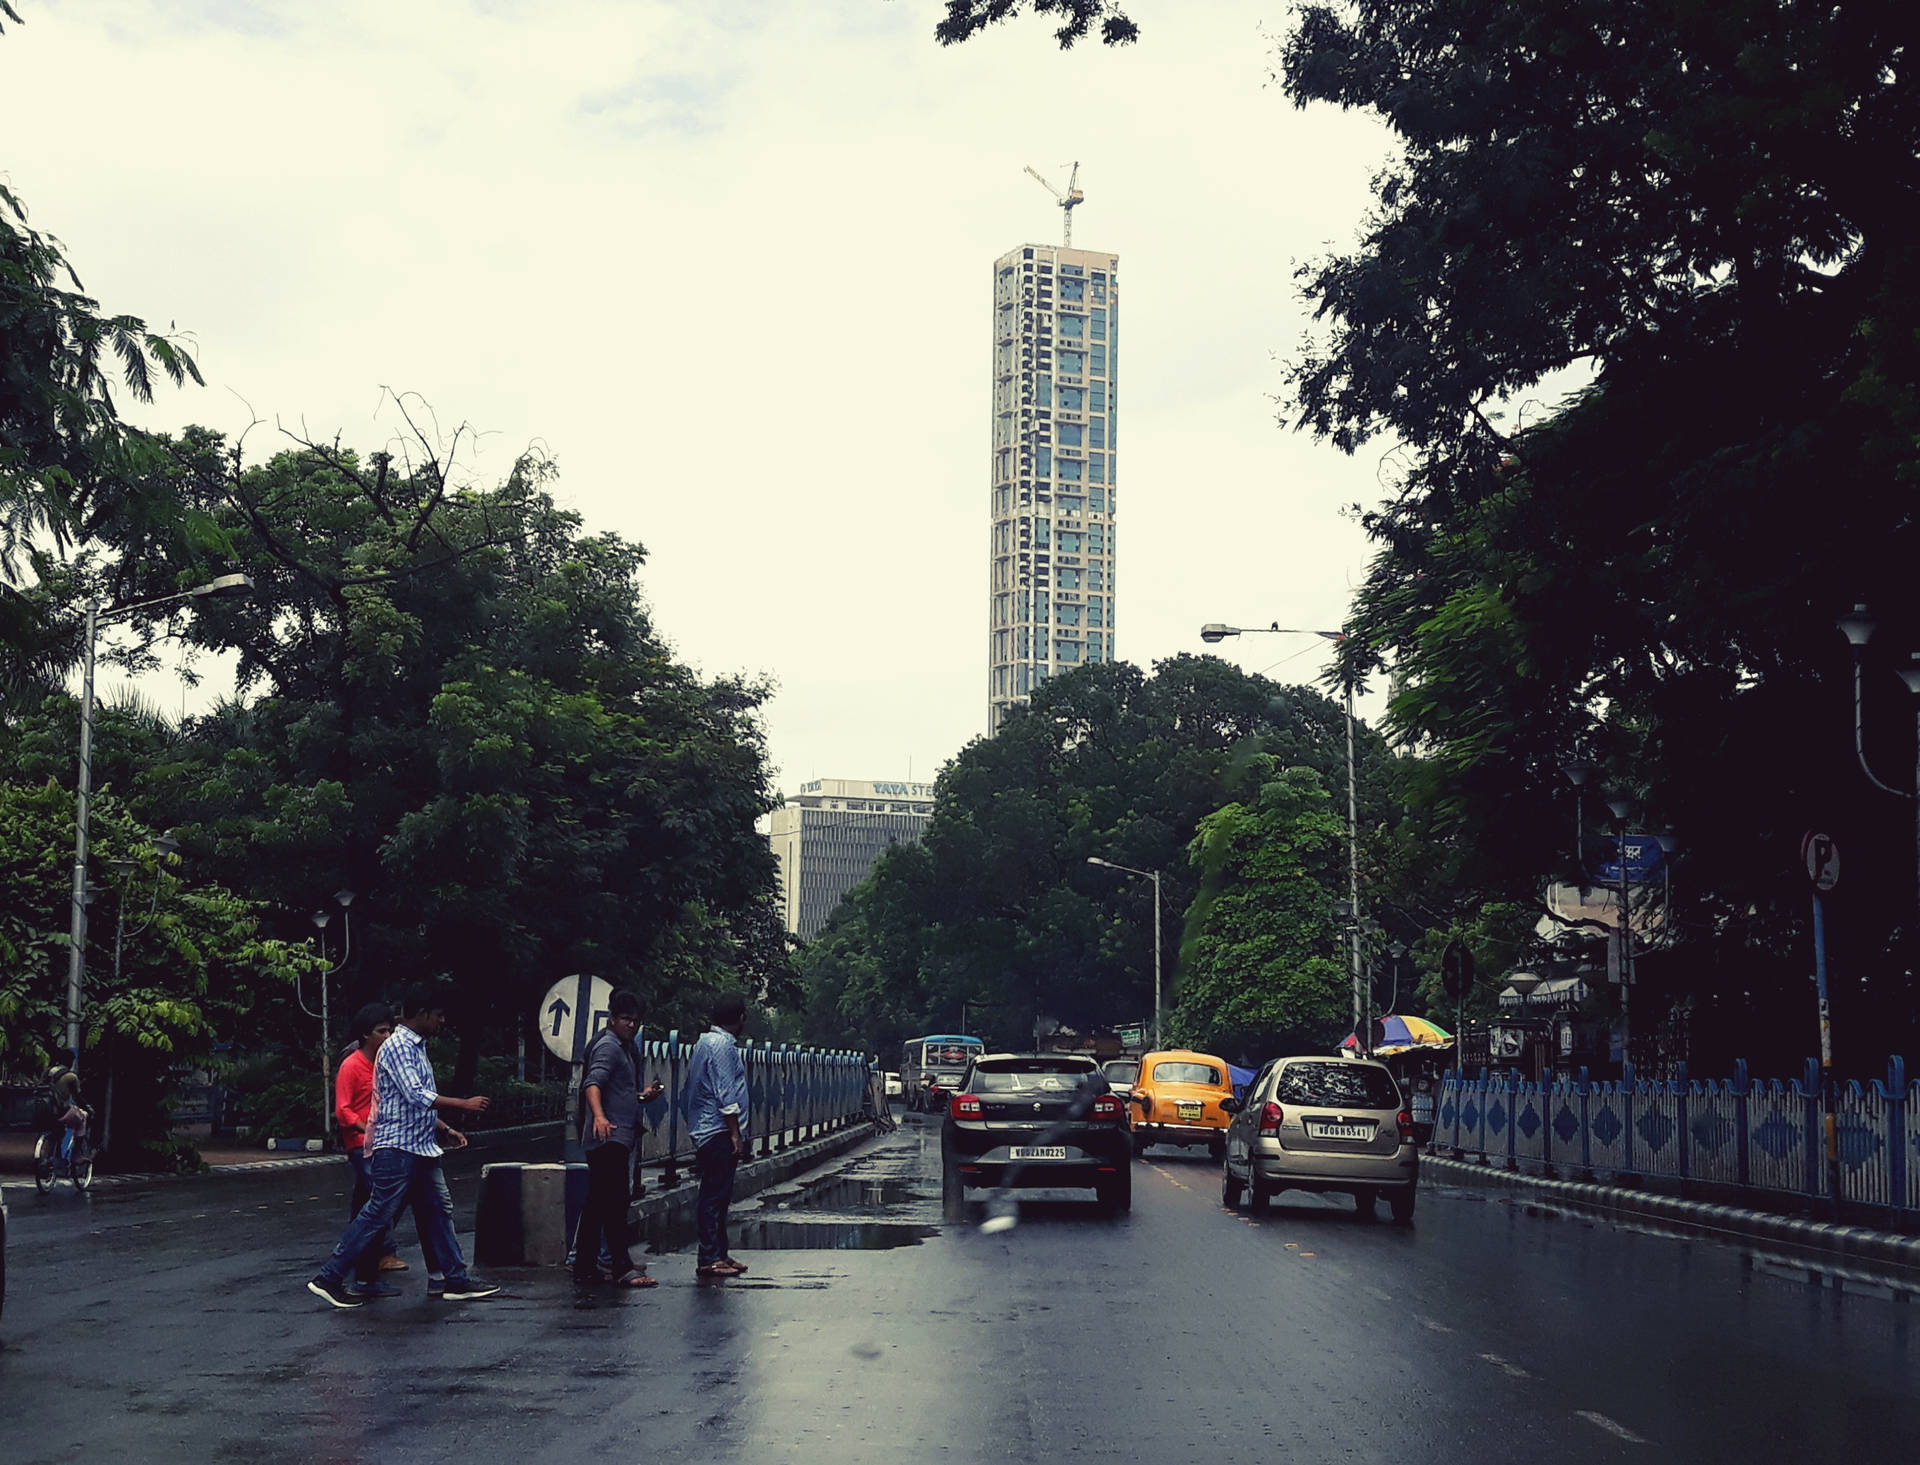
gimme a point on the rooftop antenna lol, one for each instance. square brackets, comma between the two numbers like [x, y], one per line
[1072, 196]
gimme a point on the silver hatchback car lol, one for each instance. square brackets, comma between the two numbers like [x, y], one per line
[1322, 1124]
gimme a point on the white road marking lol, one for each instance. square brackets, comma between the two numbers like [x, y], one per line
[1612, 1426]
[1435, 1326]
[1511, 1370]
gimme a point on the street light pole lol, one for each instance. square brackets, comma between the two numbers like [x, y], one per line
[1621, 808]
[1154, 876]
[220, 585]
[1213, 633]
[1858, 627]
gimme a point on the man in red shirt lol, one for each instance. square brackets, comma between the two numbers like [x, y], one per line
[353, 1112]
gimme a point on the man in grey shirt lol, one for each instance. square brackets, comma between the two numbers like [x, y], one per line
[611, 1133]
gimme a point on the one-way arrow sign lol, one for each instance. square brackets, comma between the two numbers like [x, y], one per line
[559, 1013]
[559, 1009]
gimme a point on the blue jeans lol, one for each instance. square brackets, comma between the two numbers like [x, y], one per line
[369, 1267]
[715, 1163]
[398, 1178]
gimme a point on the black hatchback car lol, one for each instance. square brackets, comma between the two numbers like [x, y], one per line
[1035, 1121]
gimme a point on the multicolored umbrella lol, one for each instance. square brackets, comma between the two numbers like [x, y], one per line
[1401, 1033]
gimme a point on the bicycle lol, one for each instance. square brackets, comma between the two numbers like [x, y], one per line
[67, 1153]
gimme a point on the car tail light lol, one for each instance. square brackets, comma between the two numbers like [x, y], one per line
[1405, 1121]
[964, 1106]
[1270, 1118]
[1107, 1108]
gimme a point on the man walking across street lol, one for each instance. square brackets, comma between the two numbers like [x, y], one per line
[718, 1121]
[404, 1158]
[612, 1132]
[352, 1106]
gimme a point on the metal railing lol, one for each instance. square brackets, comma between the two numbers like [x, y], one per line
[794, 1094]
[1760, 1137]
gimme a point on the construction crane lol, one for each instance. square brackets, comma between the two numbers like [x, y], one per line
[1067, 200]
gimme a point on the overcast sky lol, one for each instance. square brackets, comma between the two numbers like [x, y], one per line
[730, 262]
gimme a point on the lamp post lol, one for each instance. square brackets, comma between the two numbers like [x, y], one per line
[1213, 633]
[1858, 627]
[220, 587]
[344, 899]
[1154, 876]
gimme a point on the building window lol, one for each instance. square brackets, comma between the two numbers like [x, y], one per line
[1072, 328]
[1069, 542]
[1099, 363]
[1073, 289]
[1096, 578]
[1073, 363]
[1099, 324]
[1067, 615]
[1071, 435]
[1043, 462]
[1072, 399]
[1096, 432]
[1066, 651]
[1069, 470]
[1069, 579]
[1043, 390]
[1097, 469]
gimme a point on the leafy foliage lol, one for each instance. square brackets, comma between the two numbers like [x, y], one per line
[998, 907]
[1700, 209]
[967, 18]
[1260, 970]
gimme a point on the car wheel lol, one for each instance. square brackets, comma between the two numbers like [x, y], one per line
[1401, 1203]
[953, 1189]
[1230, 1189]
[1259, 1195]
[1116, 1195]
[1363, 1201]
[1219, 1152]
[1139, 1145]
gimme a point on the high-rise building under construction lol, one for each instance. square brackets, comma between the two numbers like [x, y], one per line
[1055, 477]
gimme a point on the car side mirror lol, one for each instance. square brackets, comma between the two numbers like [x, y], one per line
[1231, 1106]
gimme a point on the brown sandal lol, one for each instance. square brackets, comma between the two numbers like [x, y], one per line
[637, 1279]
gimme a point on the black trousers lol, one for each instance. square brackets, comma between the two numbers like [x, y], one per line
[605, 1214]
[715, 1163]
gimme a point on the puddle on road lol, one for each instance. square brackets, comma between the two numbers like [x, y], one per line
[829, 1235]
[852, 1193]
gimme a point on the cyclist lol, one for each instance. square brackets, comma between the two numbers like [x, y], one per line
[64, 1114]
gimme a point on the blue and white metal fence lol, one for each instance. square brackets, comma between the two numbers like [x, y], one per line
[794, 1094]
[1758, 1135]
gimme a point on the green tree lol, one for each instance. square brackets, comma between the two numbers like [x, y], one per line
[1261, 970]
[453, 702]
[197, 967]
[998, 907]
[967, 18]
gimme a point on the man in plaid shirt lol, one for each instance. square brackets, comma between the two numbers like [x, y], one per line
[403, 1158]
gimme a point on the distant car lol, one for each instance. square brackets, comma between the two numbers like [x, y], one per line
[894, 1087]
[931, 1098]
[1322, 1124]
[1120, 1074]
[1177, 1099]
[1035, 1121]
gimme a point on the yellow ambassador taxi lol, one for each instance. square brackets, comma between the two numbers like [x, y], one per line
[1176, 1101]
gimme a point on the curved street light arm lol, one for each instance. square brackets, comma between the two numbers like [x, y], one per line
[1860, 733]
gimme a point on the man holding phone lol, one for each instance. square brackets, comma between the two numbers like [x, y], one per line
[611, 1131]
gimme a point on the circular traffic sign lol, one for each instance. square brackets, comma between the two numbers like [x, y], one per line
[558, 1012]
[1822, 858]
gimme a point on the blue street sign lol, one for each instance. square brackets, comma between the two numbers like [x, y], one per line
[1643, 860]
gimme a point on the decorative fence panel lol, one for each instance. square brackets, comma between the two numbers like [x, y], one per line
[793, 1094]
[1763, 1135]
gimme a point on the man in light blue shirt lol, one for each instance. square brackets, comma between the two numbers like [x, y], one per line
[718, 1120]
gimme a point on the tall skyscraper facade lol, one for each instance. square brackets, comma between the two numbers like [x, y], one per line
[1056, 367]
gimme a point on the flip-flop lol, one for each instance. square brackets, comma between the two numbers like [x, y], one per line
[637, 1280]
[739, 1268]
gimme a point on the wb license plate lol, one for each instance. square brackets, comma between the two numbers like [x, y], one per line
[1189, 1108]
[1340, 1131]
[1039, 1152]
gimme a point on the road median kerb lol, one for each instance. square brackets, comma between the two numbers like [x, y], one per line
[660, 1212]
[1859, 1243]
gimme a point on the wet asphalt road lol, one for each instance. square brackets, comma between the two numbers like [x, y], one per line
[167, 1323]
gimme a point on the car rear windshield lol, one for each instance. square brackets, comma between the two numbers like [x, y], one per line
[1121, 1072]
[1022, 1075]
[1204, 1073]
[1338, 1085]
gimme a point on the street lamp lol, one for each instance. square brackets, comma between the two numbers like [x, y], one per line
[1858, 628]
[320, 918]
[220, 587]
[1154, 876]
[1213, 633]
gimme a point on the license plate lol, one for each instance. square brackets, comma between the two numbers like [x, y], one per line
[1340, 1131]
[1189, 1108]
[1039, 1152]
